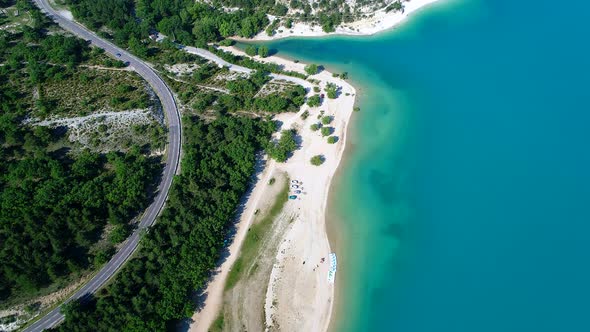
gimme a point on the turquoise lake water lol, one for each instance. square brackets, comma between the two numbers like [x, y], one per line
[464, 202]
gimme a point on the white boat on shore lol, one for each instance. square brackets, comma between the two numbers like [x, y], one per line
[333, 268]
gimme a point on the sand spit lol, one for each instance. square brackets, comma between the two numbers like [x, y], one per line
[298, 296]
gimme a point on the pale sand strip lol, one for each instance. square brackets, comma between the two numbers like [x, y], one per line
[305, 294]
[380, 21]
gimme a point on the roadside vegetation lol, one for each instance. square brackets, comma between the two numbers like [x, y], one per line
[61, 199]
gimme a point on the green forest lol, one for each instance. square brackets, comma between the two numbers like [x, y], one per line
[55, 201]
[64, 208]
[153, 290]
[197, 23]
[186, 21]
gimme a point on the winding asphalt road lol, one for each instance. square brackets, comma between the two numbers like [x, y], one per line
[54, 317]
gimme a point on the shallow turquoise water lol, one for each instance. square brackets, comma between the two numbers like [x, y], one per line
[465, 202]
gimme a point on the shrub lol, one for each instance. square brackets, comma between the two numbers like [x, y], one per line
[263, 51]
[304, 115]
[311, 69]
[227, 42]
[332, 139]
[251, 50]
[281, 150]
[314, 101]
[119, 234]
[317, 160]
[326, 131]
[315, 127]
[326, 120]
[357, 109]
[396, 7]
[332, 90]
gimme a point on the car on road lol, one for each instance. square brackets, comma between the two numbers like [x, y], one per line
[118, 55]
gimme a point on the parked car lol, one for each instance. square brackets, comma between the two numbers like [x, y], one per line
[292, 197]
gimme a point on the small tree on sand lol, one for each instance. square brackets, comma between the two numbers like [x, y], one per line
[314, 101]
[311, 69]
[317, 160]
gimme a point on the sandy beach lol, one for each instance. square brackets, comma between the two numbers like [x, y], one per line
[380, 21]
[298, 296]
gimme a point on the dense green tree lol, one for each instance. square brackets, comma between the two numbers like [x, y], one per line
[154, 289]
[54, 204]
[185, 21]
[251, 50]
[314, 101]
[332, 90]
[281, 150]
[263, 51]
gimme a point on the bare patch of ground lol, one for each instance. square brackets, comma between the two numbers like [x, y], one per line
[108, 131]
[182, 68]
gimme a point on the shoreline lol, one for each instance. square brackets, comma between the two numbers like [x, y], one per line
[335, 235]
[324, 307]
[379, 22]
[308, 234]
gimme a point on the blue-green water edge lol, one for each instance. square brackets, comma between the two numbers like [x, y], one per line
[464, 204]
